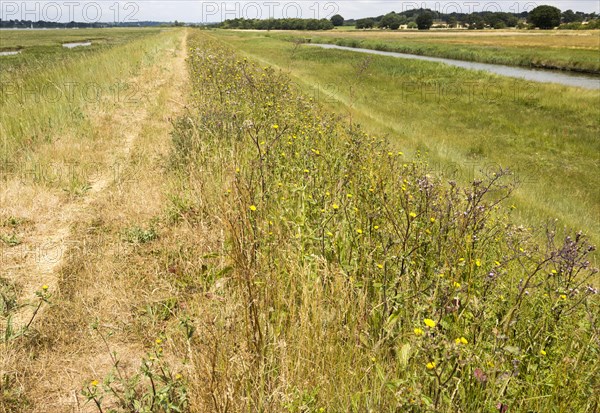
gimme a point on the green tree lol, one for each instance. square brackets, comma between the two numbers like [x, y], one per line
[544, 17]
[390, 21]
[365, 23]
[475, 21]
[424, 21]
[569, 17]
[337, 20]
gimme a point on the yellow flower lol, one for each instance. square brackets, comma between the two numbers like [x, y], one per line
[178, 376]
[432, 219]
[431, 365]
[252, 207]
[380, 266]
[461, 340]
[306, 171]
[335, 206]
[349, 195]
[563, 296]
[478, 263]
[330, 233]
[359, 231]
[542, 352]
[456, 285]
[376, 227]
[275, 126]
[94, 383]
[45, 287]
[429, 322]
[158, 341]
[413, 215]
[418, 332]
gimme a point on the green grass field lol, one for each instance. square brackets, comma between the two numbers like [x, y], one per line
[462, 121]
[38, 39]
[574, 51]
[52, 83]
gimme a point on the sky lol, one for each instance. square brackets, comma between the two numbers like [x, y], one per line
[219, 10]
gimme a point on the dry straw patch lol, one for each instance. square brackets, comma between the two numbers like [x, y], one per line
[94, 280]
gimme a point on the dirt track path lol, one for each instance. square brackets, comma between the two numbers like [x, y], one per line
[47, 372]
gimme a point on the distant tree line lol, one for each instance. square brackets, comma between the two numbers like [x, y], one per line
[542, 16]
[277, 24]
[41, 24]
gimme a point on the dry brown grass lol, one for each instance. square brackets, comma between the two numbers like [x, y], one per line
[97, 276]
[513, 38]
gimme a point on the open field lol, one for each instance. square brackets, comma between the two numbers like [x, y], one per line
[578, 51]
[42, 47]
[258, 226]
[43, 38]
[55, 85]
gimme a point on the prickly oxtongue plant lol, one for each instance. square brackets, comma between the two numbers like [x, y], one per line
[366, 281]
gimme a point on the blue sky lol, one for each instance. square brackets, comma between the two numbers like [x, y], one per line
[211, 11]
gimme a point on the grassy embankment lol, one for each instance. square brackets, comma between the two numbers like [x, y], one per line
[576, 52]
[276, 258]
[464, 120]
[348, 278]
